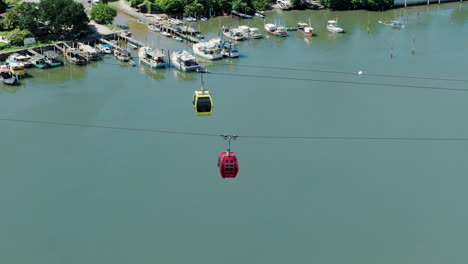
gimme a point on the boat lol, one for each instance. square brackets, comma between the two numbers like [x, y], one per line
[203, 18]
[51, 58]
[74, 56]
[393, 23]
[233, 33]
[177, 38]
[154, 28]
[39, 62]
[166, 34]
[104, 48]
[6, 76]
[122, 55]
[259, 15]
[90, 53]
[305, 29]
[209, 50]
[228, 47]
[190, 19]
[284, 4]
[250, 32]
[276, 30]
[132, 44]
[17, 69]
[151, 58]
[176, 22]
[143, 21]
[184, 61]
[16, 57]
[333, 26]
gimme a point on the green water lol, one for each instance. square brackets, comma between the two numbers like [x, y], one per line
[87, 195]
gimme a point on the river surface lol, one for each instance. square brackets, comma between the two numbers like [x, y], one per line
[91, 195]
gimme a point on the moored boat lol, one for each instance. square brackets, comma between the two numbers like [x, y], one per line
[276, 30]
[154, 27]
[122, 55]
[104, 48]
[16, 57]
[233, 33]
[208, 50]
[90, 53]
[166, 34]
[39, 62]
[250, 32]
[184, 61]
[17, 69]
[393, 23]
[151, 58]
[51, 58]
[305, 29]
[177, 38]
[333, 27]
[6, 76]
[75, 57]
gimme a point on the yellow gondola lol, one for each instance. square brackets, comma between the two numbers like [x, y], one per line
[202, 102]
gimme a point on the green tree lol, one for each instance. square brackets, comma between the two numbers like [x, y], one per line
[28, 12]
[63, 16]
[3, 6]
[11, 20]
[194, 9]
[260, 4]
[172, 6]
[17, 36]
[103, 14]
[244, 6]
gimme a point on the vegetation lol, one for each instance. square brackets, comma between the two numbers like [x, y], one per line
[63, 16]
[103, 14]
[358, 4]
[3, 6]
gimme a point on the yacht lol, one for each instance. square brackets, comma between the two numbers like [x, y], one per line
[333, 27]
[250, 32]
[233, 33]
[276, 30]
[208, 50]
[184, 61]
[151, 58]
[305, 29]
[228, 47]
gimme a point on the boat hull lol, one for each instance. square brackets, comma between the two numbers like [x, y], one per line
[280, 35]
[152, 65]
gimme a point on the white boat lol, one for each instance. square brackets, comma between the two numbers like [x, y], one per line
[151, 58]
[104, 48]
[393, 23]
[276, 30]
[250, 32]
[234, 34]
[228, 47]
[208, 50]
[203, 18]
[154, 28]
[190, 19]
[177, 38]
[166, 34]
[259, 15]
[333, 27]
[284, 4]
[184, 61]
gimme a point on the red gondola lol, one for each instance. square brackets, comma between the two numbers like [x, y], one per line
[227, 161]
[228, 165]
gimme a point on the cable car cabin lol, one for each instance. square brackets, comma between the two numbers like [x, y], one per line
[202, 102]
[228, 165]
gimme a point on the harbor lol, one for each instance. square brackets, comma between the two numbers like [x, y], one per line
[351, 146]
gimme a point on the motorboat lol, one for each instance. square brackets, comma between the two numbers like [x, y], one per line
[190, 19]
[276, 30]
[39, 62]
[151, 58]
[284, 4]
[393, 23]
[333, 27]
[17, 69]
[122, 55]
[16, 57]
[154, 28]
[184, 61]
[51, 58]
[6, 76]
[234, 34]
[209, 50]
[89, 52]
[177, 38]
[166, 34]
[250, 32]
[104, 48]
[228, 47]
[259, 15]
[305, 29]
[75, 56]
[203, 18]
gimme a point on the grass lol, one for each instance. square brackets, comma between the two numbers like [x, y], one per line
[113, 27]
[12, 48]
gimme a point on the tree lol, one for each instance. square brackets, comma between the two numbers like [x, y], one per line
[17, 36]
[243, 6]
[260, 4]
[63, 16]
[3, 6]
[28, 12]
[172, 6]
[11, 20]
[103, 14]
[194, 9]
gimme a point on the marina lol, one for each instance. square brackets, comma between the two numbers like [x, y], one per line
[350, 147]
